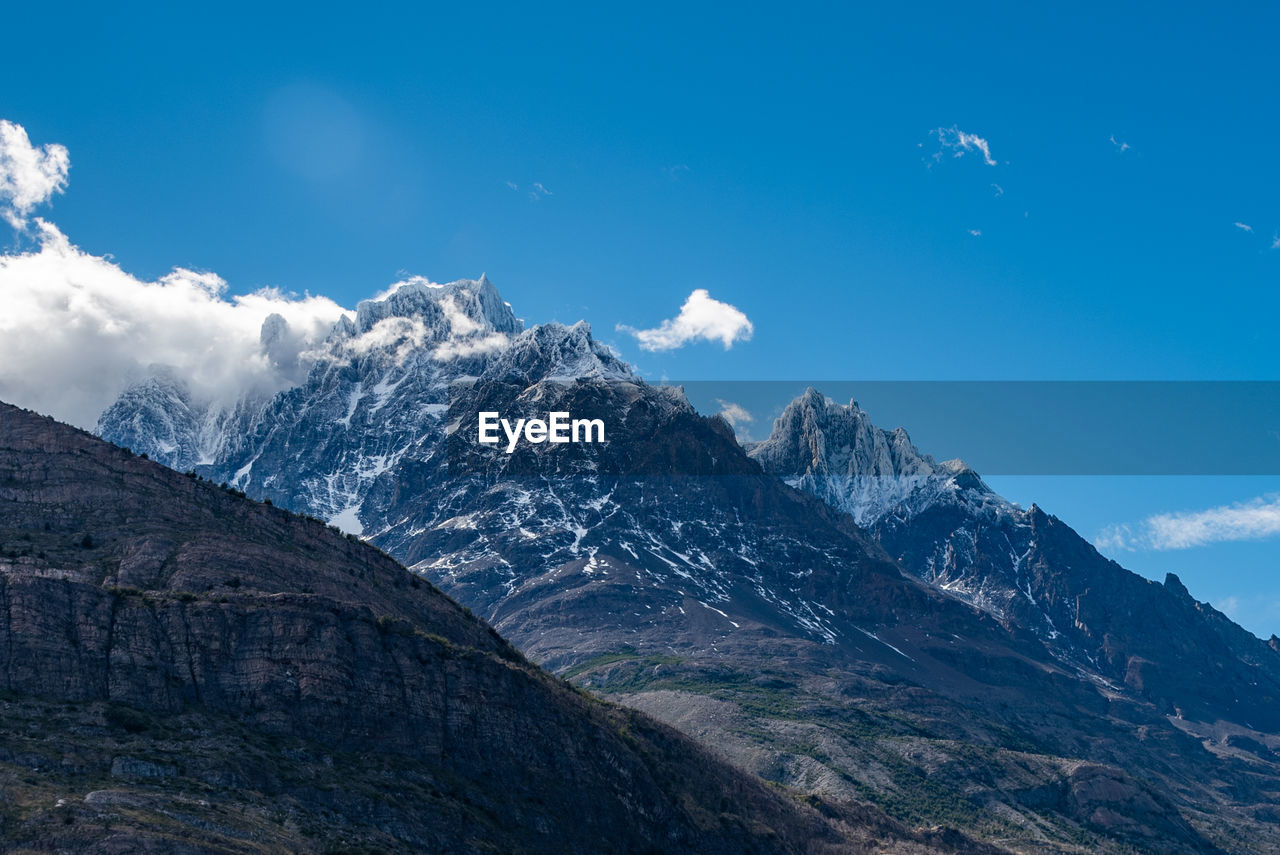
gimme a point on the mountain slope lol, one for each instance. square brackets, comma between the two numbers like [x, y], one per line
[185, 670]
[667, 569]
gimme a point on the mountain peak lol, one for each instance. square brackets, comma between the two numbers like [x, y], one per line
[812, 398]
[554, 351]
[836, 452]
[1174, 584]
[816, 432]
[462, 306]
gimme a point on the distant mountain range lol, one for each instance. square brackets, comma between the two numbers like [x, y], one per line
[830, 609]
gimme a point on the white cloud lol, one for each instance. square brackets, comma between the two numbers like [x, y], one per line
[999, 190]
[960, 143]
[1275, 241]
[701, 317]
[976, 232]
[408, 280]
[460, 324]
[735, 414]
[1116, 537]
[738, 417]
[405, 334]
[76, 330]
[410, 334]
[537, 190]
[1243, 227]
[1253, 520]
[1120, 146]
[29, 176]
[456, 348]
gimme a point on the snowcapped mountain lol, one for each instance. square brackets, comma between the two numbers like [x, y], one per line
[906, 620]
[883, 481]
[159, 418]
[944, 525]
[835, 453]
[377, 389]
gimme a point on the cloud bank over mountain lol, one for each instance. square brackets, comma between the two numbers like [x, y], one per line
[76, 329]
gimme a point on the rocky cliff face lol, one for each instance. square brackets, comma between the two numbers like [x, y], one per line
[186, 670]
[839, 455]
[668, 569]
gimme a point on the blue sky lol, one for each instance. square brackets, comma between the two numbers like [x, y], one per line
[782, 160]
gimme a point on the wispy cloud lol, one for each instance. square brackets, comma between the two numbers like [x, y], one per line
[29, 175]
[536, 191]
[960, 143]
[674, 172]
[1253, 520]
[1270, 244]
[1120, 145]
[1117, 536]
[999, 191]
[976, 232]
[735, 414]
[701, 318]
